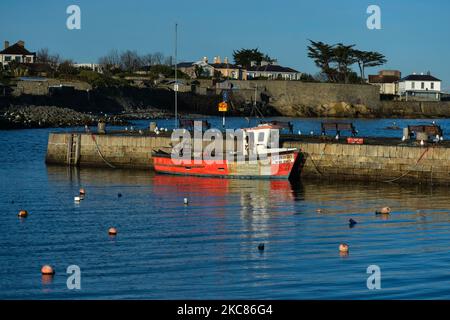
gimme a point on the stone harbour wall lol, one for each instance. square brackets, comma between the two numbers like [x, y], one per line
[380, 163]
[323, 160]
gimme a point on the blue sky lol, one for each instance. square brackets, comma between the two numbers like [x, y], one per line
[414, 34]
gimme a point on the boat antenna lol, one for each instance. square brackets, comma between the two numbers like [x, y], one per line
[176, 76]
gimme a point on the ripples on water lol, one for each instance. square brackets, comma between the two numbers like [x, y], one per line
[208, 249]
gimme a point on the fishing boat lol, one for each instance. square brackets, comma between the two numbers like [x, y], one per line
[257, 159]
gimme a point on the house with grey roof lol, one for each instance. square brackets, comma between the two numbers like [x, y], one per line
[420, 87]
[17, 52]
[272, 71]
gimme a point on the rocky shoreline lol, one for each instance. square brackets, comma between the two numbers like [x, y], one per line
[26, 117]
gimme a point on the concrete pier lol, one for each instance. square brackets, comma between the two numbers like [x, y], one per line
[379, 160]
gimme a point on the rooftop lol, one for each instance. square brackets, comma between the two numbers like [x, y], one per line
[224, 65]
[17, 48]
[420, 77]
[272, 68]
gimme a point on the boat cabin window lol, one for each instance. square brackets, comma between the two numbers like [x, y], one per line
[261, 137]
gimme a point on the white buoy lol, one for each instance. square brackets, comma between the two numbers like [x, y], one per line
[312, 133]
[165, 130]
[186, 201]
[77, 199]
[422, 143]
[299, 133]
[337, 137]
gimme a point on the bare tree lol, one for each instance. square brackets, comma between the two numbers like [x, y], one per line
[111, 61]
[43, 56]
[158, 58]
[130, 61]
[147, 59]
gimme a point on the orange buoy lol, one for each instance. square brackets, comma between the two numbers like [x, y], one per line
[343, 247]
[23, 213]
[112, 231]
[385, 210]
[82, 191]
[47, 270]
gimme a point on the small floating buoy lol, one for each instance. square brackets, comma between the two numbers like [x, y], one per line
[422, 143]
[319, 210]
[343, 247]
[47, 270]
[119, 195]
[352, 223]
[261, 246]
[112, 231]
[23, 213]
[77, 198]
[82, 191]
[385, 210]
[186, 201]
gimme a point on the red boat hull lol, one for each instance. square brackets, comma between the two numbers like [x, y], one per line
[277, 167]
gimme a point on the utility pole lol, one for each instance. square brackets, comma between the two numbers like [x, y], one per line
[176, 76]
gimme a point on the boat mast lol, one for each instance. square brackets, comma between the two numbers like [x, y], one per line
[176, 76]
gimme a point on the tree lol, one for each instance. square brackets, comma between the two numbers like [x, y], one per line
[245, 57]
[158, 58]
[343, 56]
[44, 56]
[367, 59]
[335, 61]
[67, 68]
[130, 61]
[323, 55]
[110, 62]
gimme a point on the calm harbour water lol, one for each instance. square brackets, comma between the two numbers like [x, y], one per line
[208, 249]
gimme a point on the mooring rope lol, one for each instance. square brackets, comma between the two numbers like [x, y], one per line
[321, 156]
[386, 181]
[99, 152]
[409, 171]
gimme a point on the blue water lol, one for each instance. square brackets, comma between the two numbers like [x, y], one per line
[208, 249]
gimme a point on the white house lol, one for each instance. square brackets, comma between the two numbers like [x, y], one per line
[90, 66]
[273, 72]
[16, 52]
[423, 87]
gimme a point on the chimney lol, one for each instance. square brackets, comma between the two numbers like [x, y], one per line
[218, 59]
[215, 59]
[6, 44]
[21, 43]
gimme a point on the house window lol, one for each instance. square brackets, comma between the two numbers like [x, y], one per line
[17, 58]
[413, 85]
[8, 58]
[432, 86]
[422, 85]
